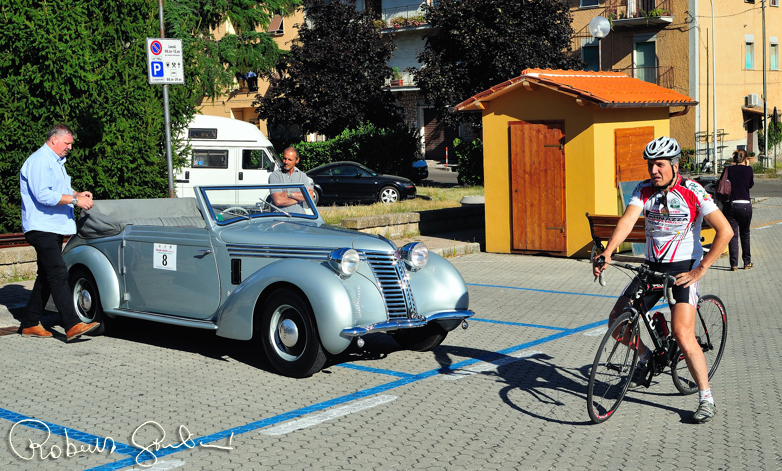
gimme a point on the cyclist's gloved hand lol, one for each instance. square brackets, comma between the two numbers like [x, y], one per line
[598, 264]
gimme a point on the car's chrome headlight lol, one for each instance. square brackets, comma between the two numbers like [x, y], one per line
[415, 254]
[344, 261]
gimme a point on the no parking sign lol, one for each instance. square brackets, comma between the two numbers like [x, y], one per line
[164, 61]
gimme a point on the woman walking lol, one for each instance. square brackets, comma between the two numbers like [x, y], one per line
[738, 209]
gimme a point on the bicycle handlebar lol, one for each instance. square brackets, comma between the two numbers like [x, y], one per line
[664, 278]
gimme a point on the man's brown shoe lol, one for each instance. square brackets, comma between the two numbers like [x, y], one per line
[80, 329]
[36, 331]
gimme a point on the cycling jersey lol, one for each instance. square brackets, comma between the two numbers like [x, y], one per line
[673, 219]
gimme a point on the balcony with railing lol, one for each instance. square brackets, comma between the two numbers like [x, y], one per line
[632, 13]
[402, 17]
[403, 79]
[662, 76]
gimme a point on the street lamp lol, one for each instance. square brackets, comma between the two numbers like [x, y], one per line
[599, 27]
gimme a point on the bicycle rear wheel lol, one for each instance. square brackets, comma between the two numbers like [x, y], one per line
[711, 331]
[612, 369]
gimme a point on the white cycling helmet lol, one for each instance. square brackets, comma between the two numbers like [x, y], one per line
[663, 148]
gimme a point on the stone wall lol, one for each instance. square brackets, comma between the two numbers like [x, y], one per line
[17, 262]
[398, 225]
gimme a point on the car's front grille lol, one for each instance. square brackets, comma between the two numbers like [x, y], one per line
[395, 284]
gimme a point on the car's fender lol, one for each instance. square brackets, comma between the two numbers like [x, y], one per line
[438, 286]
[102, 271]
[336, 303]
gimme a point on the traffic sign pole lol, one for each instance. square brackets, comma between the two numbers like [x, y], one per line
[167, 118]
[165, 65]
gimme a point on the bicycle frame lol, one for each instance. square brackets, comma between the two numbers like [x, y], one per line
[664, 347]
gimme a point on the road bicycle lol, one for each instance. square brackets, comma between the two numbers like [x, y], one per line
[615, 362]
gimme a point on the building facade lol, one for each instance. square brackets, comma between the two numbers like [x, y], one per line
[403, 21]
[238, 103]
[672, 43]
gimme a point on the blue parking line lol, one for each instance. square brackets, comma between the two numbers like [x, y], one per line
[295, 414]
[368, 369]
[517, 324]
[543, 290]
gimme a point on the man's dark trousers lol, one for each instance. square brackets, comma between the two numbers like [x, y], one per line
[52, 280]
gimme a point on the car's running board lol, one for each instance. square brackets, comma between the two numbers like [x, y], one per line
[164, 318]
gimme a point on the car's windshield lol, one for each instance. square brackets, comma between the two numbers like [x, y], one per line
[232, 204]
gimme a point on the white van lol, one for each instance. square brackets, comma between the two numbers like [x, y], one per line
[225, 152]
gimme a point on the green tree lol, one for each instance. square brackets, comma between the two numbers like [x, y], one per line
[333, 78]
[83, 63]
[477, 44]
[774, 137]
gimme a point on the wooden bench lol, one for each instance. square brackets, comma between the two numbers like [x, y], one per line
[602, 226]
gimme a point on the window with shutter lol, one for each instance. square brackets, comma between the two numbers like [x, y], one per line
[629, 144]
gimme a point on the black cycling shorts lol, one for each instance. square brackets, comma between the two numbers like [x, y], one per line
[680, 293]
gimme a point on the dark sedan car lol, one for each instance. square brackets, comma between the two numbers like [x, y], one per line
[353, 182]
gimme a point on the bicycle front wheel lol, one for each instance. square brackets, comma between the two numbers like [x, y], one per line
[711, 331]
[613, 368]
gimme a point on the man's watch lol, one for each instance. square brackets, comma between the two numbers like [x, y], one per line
[74, 201]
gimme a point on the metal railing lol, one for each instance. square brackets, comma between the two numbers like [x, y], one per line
[627, 9]
[17, 240]
[662, 76]
[12, 240]
[404, 16]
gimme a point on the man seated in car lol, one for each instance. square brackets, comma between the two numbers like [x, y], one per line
[290, 199]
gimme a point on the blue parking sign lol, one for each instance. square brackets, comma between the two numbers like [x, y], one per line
[156, 68]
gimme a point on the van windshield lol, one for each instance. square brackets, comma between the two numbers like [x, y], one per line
[255, 159]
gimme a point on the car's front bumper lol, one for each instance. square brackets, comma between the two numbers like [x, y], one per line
[387, 326]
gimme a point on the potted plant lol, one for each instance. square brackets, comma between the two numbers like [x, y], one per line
[398, 22]
[397, 80]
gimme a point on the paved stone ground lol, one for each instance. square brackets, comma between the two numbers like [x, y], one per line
[508, 393]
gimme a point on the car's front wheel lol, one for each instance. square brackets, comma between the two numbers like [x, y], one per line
[289, 336]
[86, 299]
[388, 194]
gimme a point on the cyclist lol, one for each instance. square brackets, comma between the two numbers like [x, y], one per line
[674, 208]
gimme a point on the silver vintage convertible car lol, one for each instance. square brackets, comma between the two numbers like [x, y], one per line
[232, 261]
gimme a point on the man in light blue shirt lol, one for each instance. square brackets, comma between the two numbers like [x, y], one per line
[47, 215]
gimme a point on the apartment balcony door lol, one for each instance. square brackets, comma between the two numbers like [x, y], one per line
[645, 61]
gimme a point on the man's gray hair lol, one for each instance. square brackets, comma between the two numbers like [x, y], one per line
[294, 150]
[59, 130]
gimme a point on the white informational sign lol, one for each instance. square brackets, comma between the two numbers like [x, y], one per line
[164, 61]
[164, 257]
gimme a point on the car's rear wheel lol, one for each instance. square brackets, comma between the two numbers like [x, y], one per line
[420, 339]
[289, 336]
[86, 299]
[388, 194]
[316, 197]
